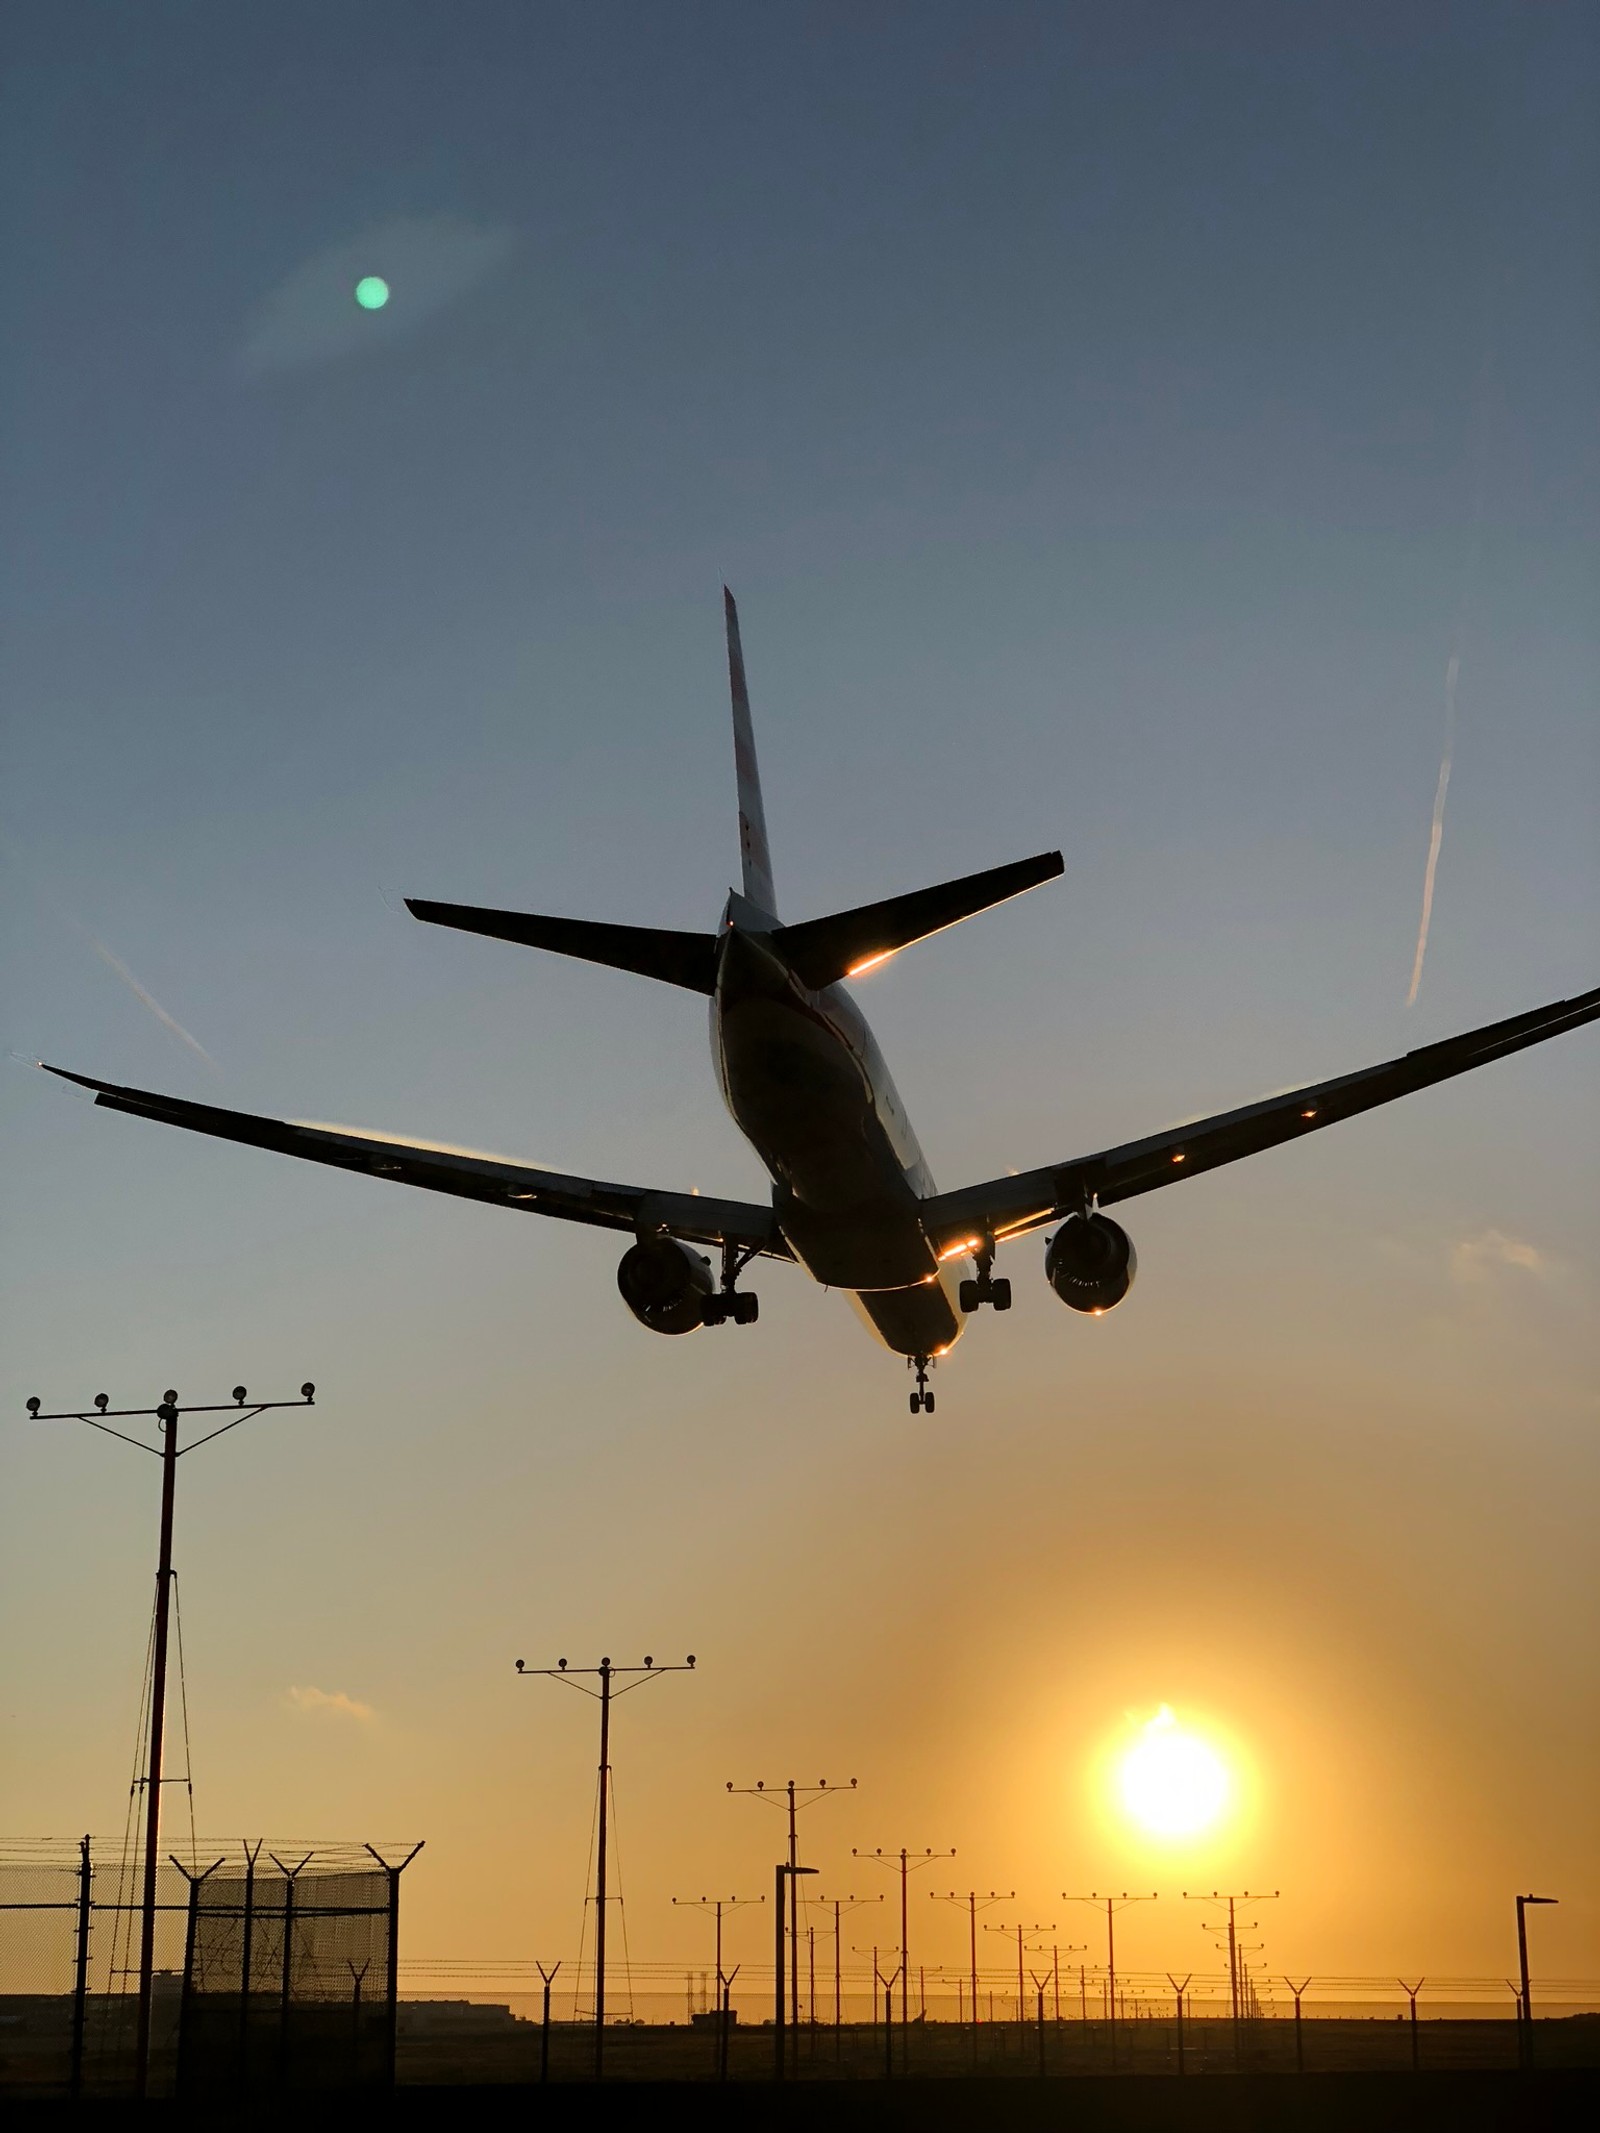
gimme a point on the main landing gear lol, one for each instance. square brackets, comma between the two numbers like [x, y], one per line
[986, 1289]
[921, 1399]
[732, 1306]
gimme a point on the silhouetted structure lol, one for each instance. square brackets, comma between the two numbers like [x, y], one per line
[166, 1417]
[632, 1677]
[1525, 1999]
[794, 1797]
[907, 1863]
[1113, 1904]
[278, 1972]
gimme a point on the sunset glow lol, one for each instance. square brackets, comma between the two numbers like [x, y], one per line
[1171, 1782]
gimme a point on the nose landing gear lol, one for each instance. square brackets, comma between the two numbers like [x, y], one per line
[921, 1399]
[986, 1289]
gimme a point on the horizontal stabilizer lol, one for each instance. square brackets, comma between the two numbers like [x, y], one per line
[687, 959]
[821, 950]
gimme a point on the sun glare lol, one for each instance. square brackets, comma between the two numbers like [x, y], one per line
[1170, 1782]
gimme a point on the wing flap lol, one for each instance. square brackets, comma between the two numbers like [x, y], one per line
[1010, 1206]
[695, 1218]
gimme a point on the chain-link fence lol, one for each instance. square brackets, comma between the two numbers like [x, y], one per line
[272, 1967]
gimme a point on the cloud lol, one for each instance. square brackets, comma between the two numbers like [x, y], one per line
[1478, 1258]
[312, 315]
[334, 1701]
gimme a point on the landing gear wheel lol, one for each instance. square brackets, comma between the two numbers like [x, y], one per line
[746, 1309]
[927, 1403]
[916, 1403]
[982, 1288]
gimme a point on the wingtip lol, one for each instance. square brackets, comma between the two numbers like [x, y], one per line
[83, 1081]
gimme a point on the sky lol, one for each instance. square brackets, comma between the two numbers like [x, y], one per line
[1145, 430]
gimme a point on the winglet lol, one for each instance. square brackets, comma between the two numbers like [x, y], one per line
[754, 851]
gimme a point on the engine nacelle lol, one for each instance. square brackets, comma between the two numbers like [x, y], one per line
[666, 1285]
[1090, 1262]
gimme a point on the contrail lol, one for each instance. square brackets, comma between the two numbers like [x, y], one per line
[1452, 669]
[1436, 836]
[112, 962]
[171, 1022]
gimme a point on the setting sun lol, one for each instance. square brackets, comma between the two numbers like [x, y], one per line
[1170, 1782]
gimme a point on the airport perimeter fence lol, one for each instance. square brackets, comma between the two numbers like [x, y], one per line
[464, 2021]
[275, 1967]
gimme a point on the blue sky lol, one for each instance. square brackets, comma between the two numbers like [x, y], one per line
[1112, 419]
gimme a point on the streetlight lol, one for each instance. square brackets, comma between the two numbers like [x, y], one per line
[1526, 2053]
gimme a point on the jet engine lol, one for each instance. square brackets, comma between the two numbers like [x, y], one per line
[1090, 1262]
[666, 1285]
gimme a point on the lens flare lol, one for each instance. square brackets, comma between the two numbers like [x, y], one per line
[1170, 1782]
[372, 292]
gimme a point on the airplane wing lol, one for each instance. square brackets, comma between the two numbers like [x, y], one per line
[1010, 1206]
[696, 1219]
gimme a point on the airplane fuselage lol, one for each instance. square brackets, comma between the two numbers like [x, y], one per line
[807, 1086]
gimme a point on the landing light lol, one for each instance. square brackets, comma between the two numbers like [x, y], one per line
[869, 962]
[1309, 1114]
[954, 1251]
[1178, 1158]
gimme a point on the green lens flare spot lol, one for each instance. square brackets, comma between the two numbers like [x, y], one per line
[372, 292]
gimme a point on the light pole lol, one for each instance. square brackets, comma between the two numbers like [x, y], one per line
[1113, 1904]
[631, 1677]
[839, 1905]
[719, 1904]
[784, 1897]
[1234, 1981]
[973, 1903]
[907, 1863]
[794, 1797]
[1022, 1987]
[1526, 2053]
[166, 1419]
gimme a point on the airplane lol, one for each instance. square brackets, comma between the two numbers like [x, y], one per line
[853, 1201]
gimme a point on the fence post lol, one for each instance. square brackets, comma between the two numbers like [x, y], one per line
[245, 1959]
[80, 1981]
[392, 1978]
[286, 1979]
[190, 1929]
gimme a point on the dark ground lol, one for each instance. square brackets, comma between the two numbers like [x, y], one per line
[1262, 2103]
[996, 2053]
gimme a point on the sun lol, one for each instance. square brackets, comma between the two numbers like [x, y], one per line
[1172, 1783]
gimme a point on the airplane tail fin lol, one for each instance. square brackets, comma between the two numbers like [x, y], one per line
[822, 950]
[754, 852]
